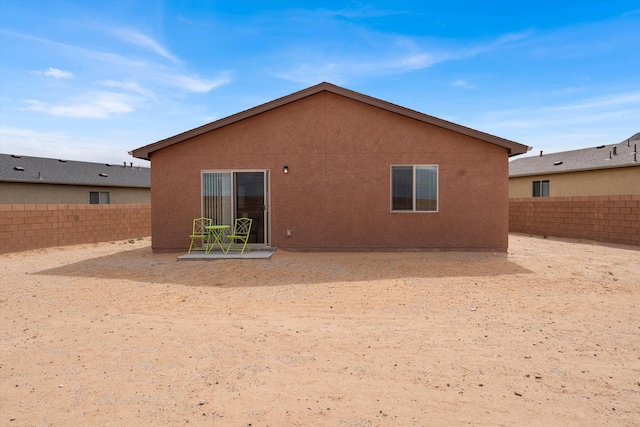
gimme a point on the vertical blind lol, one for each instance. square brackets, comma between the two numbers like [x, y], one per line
[216, 197]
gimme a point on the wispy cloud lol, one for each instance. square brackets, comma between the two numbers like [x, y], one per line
[600, 102]
[568, 90]
[367, 11]
[502, 41]
[97, 105]
[128, 86]
[136, 76]
[579, 112]
[62, 145]
[310, 74]
[550, 126]
[385, 55]
[53, 72]
[80, 53]
[170, 76]
[198, 84]
[462, 83]
[58, 74]
[144, 41]
[417, 61]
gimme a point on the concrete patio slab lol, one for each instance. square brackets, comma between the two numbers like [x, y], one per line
[255, 253]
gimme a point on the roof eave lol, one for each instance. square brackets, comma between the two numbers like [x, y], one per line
[33, 181]
[626, 165]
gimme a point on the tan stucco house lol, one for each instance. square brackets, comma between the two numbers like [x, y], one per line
[329, 169]
[39, 180]
[604, 170]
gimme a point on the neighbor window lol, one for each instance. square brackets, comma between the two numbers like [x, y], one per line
[541, 188]
[99, 198]
[414, 188]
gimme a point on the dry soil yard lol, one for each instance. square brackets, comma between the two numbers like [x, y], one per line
[114, 335]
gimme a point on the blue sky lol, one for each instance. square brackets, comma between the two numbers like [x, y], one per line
[92, 80]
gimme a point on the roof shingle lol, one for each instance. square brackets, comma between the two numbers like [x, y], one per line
[53, 171]
[622, 154]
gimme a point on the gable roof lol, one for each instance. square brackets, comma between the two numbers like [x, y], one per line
[40, 170]
[145, 152]
[602, 157]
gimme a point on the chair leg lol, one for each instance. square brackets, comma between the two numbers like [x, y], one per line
[204, 240]
[232, 242]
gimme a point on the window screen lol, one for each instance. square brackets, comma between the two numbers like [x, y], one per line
[402, 188]
[99, 198]
[94, 198]
[414, 188]
[541, 188]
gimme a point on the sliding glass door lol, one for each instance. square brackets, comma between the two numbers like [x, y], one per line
[227, 195]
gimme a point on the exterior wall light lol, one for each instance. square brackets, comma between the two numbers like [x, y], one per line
[285, 169]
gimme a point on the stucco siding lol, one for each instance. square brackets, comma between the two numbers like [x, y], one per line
[27, 193]
[336, 195]
[604, 182]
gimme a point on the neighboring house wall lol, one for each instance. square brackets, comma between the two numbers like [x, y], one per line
[611, 219]
[336, 195]
[25, 226]
[618, 181]
[29, 193]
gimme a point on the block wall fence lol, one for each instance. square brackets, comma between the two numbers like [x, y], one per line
[24, 227]
[610, 219]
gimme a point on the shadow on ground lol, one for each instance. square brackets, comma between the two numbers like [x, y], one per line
[286, 268]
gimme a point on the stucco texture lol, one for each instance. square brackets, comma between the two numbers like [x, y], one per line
[29, 193]
[602, 182]
[336, 195]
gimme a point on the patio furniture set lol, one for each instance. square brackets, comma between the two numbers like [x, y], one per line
[212, 235]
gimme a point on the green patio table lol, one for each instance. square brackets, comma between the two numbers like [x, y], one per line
[216, 232]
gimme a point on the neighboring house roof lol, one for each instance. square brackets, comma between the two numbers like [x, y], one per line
[146, 151]
[610, 156]
[27, 169]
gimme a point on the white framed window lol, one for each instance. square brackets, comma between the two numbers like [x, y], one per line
[541, 188]
[414, 188]
[99, 197]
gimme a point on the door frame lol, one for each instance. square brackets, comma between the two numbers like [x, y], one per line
[267, 198]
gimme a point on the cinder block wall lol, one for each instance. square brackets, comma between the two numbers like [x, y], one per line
[611, 219]
[24, 227]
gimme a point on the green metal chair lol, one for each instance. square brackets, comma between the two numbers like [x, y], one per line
[240, 235]
[199, 231]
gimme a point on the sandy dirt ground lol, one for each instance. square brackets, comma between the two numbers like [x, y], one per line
[111, 334]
